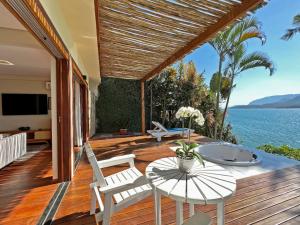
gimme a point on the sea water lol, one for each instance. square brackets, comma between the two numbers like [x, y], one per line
[255, 127]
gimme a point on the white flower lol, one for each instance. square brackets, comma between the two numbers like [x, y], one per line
[200, 120]
[197, 113]
[186, 112]
[180, 113]
[189, 111]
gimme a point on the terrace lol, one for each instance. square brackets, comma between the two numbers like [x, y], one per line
[268, 198]
[136, 39]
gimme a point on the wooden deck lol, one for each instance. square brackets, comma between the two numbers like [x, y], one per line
[26, 187]
[270, 198]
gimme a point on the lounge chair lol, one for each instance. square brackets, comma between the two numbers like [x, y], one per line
[160, 131]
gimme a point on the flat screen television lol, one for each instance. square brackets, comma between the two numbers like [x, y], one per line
[24, 104]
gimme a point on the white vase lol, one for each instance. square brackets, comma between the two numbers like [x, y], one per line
[185, 165]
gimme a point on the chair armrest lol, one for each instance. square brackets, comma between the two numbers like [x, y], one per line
[124, 186]
[117, 160]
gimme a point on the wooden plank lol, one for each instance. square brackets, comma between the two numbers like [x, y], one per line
[235, 13]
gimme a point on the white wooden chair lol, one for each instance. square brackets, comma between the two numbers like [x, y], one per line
[120, 190]
[160, 131]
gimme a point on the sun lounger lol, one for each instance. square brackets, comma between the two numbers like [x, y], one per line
[160, 131]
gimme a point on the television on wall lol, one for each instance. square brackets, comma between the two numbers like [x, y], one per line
[24, 104]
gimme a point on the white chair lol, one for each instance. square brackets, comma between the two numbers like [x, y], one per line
[120, 190]
[160, 131]
[199, 218]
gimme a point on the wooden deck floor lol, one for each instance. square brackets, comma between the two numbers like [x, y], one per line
[270, 198]
[26, 187]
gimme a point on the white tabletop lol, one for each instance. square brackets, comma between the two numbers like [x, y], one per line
[203, 185]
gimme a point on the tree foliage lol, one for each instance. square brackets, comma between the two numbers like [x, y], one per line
[293, 153]
[183, 86]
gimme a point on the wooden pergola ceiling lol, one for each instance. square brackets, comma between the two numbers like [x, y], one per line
[139, 38]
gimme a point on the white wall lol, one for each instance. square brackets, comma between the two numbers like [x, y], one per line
[27, 85]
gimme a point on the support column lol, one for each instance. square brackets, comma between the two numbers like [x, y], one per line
[64, 120]
[143, 121]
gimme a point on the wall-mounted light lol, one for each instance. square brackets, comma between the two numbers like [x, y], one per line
[6, 63]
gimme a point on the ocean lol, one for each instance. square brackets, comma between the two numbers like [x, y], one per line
[255, 127]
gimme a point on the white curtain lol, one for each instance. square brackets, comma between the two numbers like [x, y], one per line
[92, 113]
[77, 116]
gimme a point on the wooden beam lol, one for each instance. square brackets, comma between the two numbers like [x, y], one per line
[237, 12]
[96, 4]
[143, 120]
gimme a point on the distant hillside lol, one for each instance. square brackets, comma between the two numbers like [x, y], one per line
[273, 99]
[276, 101]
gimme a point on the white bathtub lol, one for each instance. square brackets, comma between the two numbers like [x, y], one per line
[228, 154]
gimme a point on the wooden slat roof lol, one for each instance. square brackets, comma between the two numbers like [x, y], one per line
[139, 38]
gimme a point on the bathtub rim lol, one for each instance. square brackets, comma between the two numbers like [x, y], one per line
[229, 163]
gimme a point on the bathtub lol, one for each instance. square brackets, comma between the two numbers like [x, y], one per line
[228, 154]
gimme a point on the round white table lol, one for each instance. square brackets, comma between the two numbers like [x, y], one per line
[211, 184]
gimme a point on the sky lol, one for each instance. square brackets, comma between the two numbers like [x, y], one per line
[276, 17]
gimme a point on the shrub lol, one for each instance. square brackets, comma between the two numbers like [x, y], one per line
[293, 153]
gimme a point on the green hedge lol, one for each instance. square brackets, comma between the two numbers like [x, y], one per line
[293, 153]
[118, 105]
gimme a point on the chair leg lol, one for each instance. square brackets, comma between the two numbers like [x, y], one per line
[93, 203]
[107, 210]
[159, 139]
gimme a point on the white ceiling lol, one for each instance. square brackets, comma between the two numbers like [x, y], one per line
[19, 47]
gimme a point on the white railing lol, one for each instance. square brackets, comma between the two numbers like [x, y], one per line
[12, 148]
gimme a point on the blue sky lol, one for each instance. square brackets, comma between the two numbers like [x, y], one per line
[275, 17]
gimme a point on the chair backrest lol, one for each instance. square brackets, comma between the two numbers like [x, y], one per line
[160, 126]
[97, 173]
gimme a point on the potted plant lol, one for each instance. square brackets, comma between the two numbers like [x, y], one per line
[123, 124]
[186, 154]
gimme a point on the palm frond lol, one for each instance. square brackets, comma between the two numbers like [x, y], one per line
[246, 29]
[296, 20]
[290, 33]
[238, 54]
[255, 60]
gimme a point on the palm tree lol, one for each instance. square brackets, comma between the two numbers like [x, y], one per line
[226, 42]
[221, 45]
[239, 62]
[291, 32]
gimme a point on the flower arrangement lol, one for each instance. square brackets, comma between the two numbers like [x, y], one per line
[186, 154]
[190, 113]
